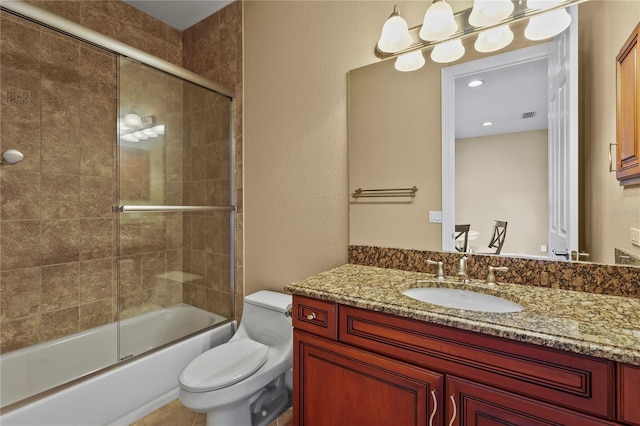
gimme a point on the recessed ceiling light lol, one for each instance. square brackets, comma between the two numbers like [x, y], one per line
[475, 83]
[488, 123]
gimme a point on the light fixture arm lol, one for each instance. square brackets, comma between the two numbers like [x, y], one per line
[520, 13]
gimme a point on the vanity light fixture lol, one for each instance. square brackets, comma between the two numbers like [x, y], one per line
[449, 51]
[489, 12]
[475, 83]
[443, 31]
[439, 22]
[494, 39]
[410, 61]
[395, 33]
[548, 24]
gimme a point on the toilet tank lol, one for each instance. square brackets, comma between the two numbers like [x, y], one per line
[265, 318]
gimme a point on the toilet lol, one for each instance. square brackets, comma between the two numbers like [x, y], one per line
[246, 381]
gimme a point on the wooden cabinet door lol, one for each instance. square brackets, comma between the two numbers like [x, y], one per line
[628, 111]
[335, 384]
[472, 404]
[629, 394]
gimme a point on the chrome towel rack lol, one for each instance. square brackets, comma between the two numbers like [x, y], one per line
[392, 192]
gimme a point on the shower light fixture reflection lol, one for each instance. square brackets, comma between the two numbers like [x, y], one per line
[134, 128]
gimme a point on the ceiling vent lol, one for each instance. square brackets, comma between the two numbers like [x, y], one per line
[530, 114]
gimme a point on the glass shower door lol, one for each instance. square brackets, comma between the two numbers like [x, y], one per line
[175, 208]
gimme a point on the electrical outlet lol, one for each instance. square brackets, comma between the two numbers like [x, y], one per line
[635, 236]
[435, 216]
[543, 248]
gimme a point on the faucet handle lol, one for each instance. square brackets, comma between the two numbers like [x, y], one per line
[491, 277]
[440, 273]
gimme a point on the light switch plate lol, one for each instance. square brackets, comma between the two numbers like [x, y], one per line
[635, 236]
[435, 216]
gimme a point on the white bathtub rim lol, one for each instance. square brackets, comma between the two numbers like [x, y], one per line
[132, 398]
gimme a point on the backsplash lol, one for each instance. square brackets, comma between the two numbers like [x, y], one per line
[578, 276]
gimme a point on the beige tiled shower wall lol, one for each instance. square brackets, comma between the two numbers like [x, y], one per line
[58, 235]
[213, 48]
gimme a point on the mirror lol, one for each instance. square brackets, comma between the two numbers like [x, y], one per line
[395, 141]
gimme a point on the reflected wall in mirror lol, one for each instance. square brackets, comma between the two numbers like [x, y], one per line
[395, 140]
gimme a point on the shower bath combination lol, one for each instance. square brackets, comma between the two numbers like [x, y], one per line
[118, 212]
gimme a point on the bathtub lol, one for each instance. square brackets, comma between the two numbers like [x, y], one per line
[120, 395]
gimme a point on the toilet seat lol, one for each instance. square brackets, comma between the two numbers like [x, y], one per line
[224, 365]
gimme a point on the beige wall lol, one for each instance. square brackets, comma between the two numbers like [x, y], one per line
[297, 55]
[610, 209]
[489, 188]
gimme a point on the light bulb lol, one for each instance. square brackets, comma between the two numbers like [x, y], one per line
[547, 25]
[410, 61]
[395, 34]
[449, 51]
[438, 23]
[494, 39]
[489, 12]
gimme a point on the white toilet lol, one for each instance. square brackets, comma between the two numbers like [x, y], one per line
[242, 382]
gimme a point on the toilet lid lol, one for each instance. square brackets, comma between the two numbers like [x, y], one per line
[224, 365]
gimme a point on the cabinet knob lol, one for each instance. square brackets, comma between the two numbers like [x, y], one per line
[311, 316]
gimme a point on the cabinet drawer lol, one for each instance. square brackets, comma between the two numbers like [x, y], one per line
[561, 378]
[315, 316]
[629, 394]
[482, 405]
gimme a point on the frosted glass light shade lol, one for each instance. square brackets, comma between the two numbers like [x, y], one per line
[494, 39]
[410, 61]
[395, 34]
[438, 23]
[489, 12]
[448, 52]
[547, 25]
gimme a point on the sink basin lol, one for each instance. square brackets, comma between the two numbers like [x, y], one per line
[463, 299]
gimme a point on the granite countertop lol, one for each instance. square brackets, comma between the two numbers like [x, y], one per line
[586, 323]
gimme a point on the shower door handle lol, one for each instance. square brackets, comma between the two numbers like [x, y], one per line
[169, 209]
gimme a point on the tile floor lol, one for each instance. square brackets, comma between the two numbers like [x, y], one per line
[175, 414]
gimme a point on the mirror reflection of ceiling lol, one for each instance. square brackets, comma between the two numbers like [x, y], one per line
[180, 14]
[505, 98]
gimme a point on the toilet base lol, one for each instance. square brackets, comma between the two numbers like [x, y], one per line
[259, 410]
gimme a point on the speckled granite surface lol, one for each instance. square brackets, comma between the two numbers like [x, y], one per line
[614, 280]
[592, 324]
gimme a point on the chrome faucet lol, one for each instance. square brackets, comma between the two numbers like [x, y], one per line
[462, 269]
[491, 277]
[440, 273]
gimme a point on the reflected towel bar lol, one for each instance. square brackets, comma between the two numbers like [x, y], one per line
[394, 192]
[169, 209]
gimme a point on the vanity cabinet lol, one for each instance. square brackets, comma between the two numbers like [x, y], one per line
[374, 368]
[629, 391]
[628, 112]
